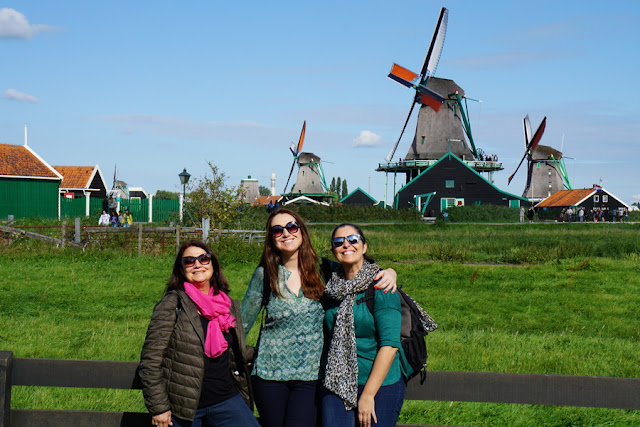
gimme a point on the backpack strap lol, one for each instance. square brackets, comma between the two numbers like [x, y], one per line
[369, 297]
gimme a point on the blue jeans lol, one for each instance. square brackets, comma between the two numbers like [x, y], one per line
[285, 403]
[388, 403]
[232, 412]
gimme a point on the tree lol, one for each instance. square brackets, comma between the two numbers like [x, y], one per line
[264, 191]
[166, 195]
[332, 187]
[344, 189]
[338, 186]
[209, 197]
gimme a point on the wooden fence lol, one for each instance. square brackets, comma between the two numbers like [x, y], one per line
[139, 238]
[537, 389]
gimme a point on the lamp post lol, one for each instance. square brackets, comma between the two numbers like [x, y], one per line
[184, 178]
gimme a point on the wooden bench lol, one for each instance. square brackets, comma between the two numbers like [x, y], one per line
[537, 389]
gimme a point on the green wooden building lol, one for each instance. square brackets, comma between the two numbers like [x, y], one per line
[28, 184]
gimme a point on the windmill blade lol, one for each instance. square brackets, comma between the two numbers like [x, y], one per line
[532, 144]
[429, 97]
[527, 130]
[519, 164]
[403, 76]
[435, 48]
[393, 150]
[290, 173]
[301, 140]
[537, 136]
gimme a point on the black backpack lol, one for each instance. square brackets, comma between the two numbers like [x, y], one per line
[413, 332]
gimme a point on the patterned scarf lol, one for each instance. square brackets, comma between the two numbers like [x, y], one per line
[341, 374]
[216, 309]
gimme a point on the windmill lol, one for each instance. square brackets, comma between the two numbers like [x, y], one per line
[310, 180]
[295, 150]
[424, 95]
[546, 173]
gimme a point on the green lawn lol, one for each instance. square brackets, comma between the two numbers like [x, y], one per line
[557, 299]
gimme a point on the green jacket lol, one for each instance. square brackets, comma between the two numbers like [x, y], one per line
[172, 359]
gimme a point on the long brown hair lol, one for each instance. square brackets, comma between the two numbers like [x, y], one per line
[312, 285]
[178, 277]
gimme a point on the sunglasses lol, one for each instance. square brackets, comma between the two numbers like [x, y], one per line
[352, 239]
[190, 261]
[291, 227]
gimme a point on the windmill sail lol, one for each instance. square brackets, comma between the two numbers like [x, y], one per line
[531, 145]
[418, 82]
[296, 153]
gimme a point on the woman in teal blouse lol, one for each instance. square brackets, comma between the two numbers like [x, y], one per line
[285, 373]
[363, 378]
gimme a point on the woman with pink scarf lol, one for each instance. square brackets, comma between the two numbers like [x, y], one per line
[192, 363]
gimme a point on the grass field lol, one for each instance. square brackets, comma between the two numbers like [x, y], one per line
[555, 299]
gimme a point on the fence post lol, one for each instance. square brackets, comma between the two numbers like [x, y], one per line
[6, 365]
[77, 237]
[177, 238]
[10, 219]
[205, 229]
[64, 230]
[150, 207]
[139, 239]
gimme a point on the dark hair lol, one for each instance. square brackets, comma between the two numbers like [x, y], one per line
[178, 277]
[312, 285]
[363, 239]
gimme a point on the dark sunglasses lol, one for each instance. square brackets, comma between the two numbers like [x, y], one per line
[352, 239]
[190, 261]
[291, 227]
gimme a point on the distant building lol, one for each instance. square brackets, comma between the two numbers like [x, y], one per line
[28, 184]
[450, 182]
[588, 198]
[82, 181]
[358, 197]
[250, 189]
[138, 193]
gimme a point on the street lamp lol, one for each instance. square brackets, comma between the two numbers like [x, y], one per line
[184, 178]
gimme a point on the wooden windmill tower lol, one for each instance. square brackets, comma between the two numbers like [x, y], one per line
[546, 173]
[310, 181]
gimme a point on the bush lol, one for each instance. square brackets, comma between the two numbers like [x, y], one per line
[254, 217]
[483, 213]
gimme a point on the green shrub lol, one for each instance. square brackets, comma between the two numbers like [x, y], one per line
[483, 213]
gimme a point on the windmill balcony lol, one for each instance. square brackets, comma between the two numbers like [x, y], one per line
[405, 165]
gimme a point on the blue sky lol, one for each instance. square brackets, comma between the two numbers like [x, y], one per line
[156, 87]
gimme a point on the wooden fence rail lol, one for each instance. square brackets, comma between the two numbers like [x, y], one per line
[537, 389]
[145, 239]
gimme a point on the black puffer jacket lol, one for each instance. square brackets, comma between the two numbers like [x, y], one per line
[172, 359]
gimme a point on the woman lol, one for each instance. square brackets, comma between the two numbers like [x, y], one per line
[363, 379]
[286, 370]
[192, 364]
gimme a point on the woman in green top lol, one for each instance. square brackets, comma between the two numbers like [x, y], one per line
[363, 376]
[285, 373]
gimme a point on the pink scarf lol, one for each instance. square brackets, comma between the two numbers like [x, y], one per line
[216, 309]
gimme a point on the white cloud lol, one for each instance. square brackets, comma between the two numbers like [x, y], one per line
[367, 139]
[14, 25]
[16, 95]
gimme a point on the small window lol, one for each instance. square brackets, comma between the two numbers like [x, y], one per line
[422, 142]
[538, 165]
[450, 183]
[596, 198]
[549, 172]
[477, 202]
[605, 198]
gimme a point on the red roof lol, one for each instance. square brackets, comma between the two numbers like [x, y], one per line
[564, 198]
[264, 200]
[75, 176]
[20, 160]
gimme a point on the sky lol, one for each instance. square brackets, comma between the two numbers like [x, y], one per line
[156, 87]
